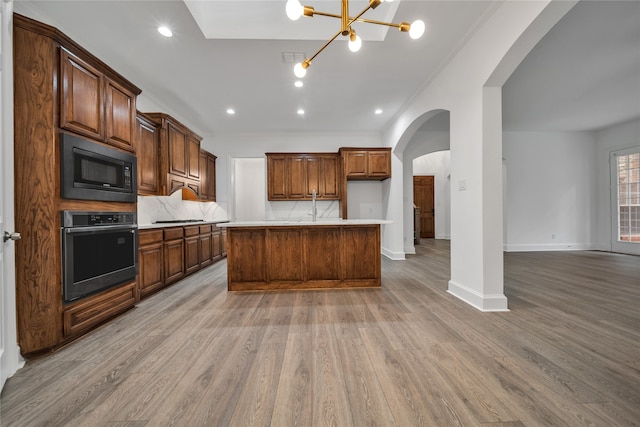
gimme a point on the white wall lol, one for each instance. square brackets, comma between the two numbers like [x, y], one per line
[469, 87]
[615, 138]
[551, 190]
[248, 182]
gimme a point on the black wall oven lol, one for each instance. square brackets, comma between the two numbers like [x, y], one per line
[92, 171]
[99, 251]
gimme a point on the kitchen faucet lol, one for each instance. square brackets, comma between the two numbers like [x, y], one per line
[314, 209]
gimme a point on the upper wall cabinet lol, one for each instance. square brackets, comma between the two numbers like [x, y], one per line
[294, 176]
[94, 105]
[147, 146]
[366, 163]
[207, 176]
[179, 158]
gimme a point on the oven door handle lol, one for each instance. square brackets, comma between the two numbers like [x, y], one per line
[98, 228]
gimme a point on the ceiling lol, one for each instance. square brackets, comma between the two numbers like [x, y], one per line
[240, 63]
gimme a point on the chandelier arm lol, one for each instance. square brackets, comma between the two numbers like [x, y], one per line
[324, 46]
[372, 21]
[368, 21]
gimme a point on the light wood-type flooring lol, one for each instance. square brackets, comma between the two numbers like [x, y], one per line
[408, 354]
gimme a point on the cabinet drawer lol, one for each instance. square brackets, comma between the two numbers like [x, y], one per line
[173, 233]
[91, 311]
[146, 237]
[193, 230]
[204, 229]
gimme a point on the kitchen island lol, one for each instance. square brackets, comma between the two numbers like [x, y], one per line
[271, 255]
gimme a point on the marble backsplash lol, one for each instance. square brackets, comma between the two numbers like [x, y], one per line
[301, 210]
[163, 208]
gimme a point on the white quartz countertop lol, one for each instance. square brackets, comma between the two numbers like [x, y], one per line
[324, 221]
[178, 224]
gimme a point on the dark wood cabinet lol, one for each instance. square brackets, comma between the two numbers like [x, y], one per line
[193, 153]
[120, 116]
[323, 175]
[82, 97]
[93, 105]
[191, 249]
[204, 246]
[58, 85]
[173, 247]
[303, 257]
[216, 243]
[179, 156]
[207, 176]
[148, 153]
[150, 261]
[168, 254]
[294, 176]
[366, 163]
[372, 164]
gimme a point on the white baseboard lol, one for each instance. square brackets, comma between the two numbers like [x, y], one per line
[394, 256]
[487, 303]
[551, 247]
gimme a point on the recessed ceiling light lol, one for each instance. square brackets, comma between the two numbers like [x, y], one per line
[165, 31]
[298, 83]
[301, 111]
[378, 110]
[231, 111]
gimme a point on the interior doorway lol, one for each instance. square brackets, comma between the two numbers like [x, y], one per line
[249, 189]
[423, 190]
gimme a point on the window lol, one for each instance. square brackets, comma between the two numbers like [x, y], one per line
[629, 197]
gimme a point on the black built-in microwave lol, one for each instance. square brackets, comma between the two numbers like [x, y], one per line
[93, 171]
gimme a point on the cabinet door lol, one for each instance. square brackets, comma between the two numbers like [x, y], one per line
[178, 156]
[331, 177]
[211, 177]
[379, 164]
[204, 177]
[193, 162]
[297, 178]
[150, 262]
[191, 255]
[173, 260]
[216, 244]
[204, 250]
[120, 116]
[81, 97]
[277, 172]
[224, 242]
[147, 152]
[314, 178]
[355, 164]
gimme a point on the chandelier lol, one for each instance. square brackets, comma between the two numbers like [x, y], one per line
[295, 10]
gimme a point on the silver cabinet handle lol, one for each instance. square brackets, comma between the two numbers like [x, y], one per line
[11, 236]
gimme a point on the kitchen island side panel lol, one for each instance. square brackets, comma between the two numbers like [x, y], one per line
[310, 256]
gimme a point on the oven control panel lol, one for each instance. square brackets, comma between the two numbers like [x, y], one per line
[93, 219]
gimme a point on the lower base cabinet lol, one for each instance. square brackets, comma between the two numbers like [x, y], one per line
[167, 255]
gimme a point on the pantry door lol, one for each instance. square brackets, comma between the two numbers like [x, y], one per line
[423, 198]
[9, 352]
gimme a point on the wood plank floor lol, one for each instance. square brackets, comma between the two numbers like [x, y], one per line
[408, 354]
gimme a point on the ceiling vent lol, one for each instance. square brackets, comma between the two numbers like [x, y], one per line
[293, 57]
